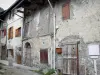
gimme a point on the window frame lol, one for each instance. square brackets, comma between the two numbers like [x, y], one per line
[66, 10]
[44, 60]
[10, 33]
[18, 32]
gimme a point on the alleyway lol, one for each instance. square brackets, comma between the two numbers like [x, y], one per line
[17, 69]
[13, 70]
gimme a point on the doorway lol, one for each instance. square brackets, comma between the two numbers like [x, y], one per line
[27, 54]
[19, 59]
[70, 59]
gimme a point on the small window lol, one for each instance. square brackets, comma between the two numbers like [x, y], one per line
[10, 33]
[44, 56]
[18, 32]
[3, 33]
[66, 10]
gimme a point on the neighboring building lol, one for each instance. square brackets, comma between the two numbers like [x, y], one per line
[3, 53]
[38, 46]
[11, 31]
[77, 21]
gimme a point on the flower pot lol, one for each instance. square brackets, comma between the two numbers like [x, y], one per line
[58, 50]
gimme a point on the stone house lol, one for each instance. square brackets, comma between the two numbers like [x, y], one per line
[38, 35]
[77, 27]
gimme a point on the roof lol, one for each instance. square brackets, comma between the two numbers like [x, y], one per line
[12, 7]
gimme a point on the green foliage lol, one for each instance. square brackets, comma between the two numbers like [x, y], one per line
[50, 72]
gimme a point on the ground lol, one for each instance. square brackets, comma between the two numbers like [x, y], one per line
[14, 70]
[17, 69]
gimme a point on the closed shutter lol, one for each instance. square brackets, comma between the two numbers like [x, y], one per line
[43, 56]
[66, 10]
[4, 32]
[16, 32]
[11, 33]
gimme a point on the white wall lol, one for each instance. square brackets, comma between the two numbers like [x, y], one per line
[16, 22]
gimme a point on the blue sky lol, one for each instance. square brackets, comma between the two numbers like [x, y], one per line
[5, 4]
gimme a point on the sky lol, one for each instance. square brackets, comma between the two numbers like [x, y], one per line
[5, 4]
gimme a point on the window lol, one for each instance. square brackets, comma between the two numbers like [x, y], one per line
[18, 32]
[44, 56]
[10, 33]
[3, 33]
[66, 10]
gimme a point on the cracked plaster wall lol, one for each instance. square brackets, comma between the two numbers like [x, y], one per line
[84, 22]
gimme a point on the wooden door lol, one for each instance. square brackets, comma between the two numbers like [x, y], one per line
[70, 63]
[28, 57]
[18, 59]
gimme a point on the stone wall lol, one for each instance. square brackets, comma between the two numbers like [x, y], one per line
[84, 24]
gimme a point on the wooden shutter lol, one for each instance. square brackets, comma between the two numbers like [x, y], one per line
[11, 33]
[16, 32]
[43, 56]
[4, 32]
[66, 10]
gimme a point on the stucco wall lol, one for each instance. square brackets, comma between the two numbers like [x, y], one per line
[15, 22]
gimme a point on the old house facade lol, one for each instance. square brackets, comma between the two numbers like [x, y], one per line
[77, 25]
[75, 30]
[38, 46]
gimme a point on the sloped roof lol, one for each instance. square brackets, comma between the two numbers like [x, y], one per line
[13, 6]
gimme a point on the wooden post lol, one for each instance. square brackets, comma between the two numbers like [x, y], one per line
[95, 66]
[77, 59]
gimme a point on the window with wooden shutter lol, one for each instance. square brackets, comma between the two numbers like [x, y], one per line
[66, 10]
[18, 32]
[3, 33]
[10, 33]
[44, 56]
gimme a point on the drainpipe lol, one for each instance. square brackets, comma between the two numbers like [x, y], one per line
[54, 22]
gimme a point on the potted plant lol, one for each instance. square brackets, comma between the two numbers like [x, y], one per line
[59, 50]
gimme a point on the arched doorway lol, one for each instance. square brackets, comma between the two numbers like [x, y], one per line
[27, 54]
